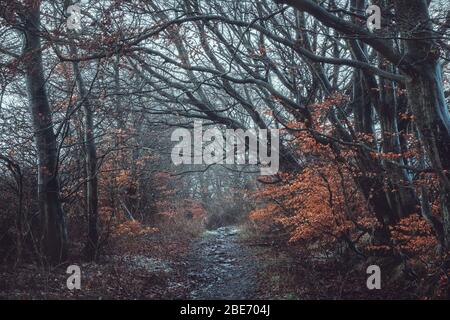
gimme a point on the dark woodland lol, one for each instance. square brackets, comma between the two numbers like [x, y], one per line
[91, 93]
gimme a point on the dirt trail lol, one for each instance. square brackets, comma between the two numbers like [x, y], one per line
[221, 267]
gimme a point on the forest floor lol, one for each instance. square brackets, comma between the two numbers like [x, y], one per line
[226, 263]
[220, 267]
[235, 263]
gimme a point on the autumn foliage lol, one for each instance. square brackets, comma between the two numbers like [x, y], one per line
[324, 211]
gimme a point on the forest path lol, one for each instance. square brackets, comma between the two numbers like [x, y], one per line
[220, 267]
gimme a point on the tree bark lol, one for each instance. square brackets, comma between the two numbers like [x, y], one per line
[91, 247]
[52, 219]
[426, 94]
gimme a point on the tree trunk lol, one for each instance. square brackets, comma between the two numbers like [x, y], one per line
[53, 227]
[91, 247]
[399, 192]
[426, 94]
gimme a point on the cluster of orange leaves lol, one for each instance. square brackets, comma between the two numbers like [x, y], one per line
[169, 209]
[133, 227]
[320, 203]
[415, 237]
